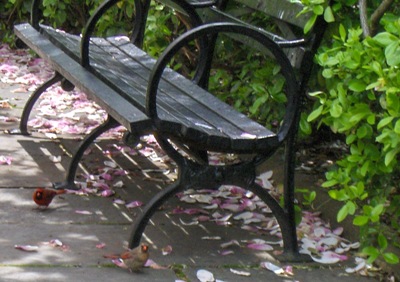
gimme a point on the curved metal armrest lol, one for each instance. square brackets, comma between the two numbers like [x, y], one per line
[36, 13]
[90, 26]
[140, 18]
[203, 3]
[292, 85]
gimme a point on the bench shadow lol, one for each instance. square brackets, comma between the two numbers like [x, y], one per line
[193, 244]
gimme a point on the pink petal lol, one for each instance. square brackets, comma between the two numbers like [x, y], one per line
[205, 275]
[272, 267]
[226, 252]
[120, 172]
[101, 185]
[56, 243]
[119, 184]
[5, 160]
[119, 202]
[193, 222]
[134, 204]
[329, 258]
[166, 250]
[338, 231]
[107, 193]
[152, 264]
[230, 243]
[110, 164]
[106, 176]
[289, 270]
[203, 218]
[100, 245]
[192, 211]
[27, 248]
[83, 212]
[241, 273]
[119, 263]
[260, 247]
[232, 207]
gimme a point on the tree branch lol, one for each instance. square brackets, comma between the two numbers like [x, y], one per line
[378, 14]
[362, 4]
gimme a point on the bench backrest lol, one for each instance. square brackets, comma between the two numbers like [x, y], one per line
[276, 20]
[285, 25]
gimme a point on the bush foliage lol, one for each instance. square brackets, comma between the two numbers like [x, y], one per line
[358, 96]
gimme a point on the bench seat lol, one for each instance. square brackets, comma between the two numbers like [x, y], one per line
[121, 71]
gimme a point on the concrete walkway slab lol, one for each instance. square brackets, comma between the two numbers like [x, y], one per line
[73, 273]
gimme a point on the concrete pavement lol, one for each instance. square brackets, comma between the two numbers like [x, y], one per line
[68, 234]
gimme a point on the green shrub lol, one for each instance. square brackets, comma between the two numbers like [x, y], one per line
[359, 98]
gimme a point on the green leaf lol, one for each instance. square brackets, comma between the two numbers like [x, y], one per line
[339, 195]
[351, 207]
[385, 38]
[390, 156]
[362, 131]
[314, 114]
[350, 139]
[318, 10]
[357, 85]
[348, 208]
[313, 195]
[382, 241]
[397, 127]
[360, 188]
[327, 73]
[364, 168]
[360, 220]
[391, 258]
[328, 15]
[305, 126]
[336, 110]
[342, 32]
[377, 210]
[372, 252]
[330, 183]
[371, 119]
[392, 54]
[377, 68]
[385, 121]
[342, 214]
[310, 23]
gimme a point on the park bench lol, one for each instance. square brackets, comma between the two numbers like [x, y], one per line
[147, 97]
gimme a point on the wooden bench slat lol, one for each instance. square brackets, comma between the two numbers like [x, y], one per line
[279, 9]
[125, 113]
[195, 109]
[185, 109]
[183, 90]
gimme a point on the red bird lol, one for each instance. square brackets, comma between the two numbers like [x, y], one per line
[44, 196]
[134, 259]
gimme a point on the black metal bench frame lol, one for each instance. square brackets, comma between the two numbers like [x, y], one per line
[146, 114]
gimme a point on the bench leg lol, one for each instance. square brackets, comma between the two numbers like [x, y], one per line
[150, 208]
[23, 125]
[198, 176]
[286, 221]
[69, 183]
[288, 217]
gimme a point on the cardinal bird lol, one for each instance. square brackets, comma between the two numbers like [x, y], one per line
[44, 196]
[133, 259]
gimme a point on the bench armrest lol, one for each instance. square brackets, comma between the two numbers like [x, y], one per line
[35, 14]
[292, 86]
[99, 12]
[141, 14]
